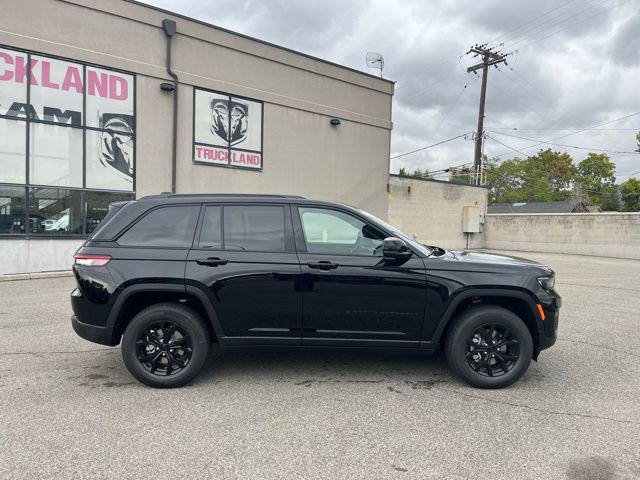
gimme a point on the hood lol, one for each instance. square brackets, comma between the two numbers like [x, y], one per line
[466, 259]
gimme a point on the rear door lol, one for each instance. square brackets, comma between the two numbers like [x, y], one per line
[154, 248]
[244, 258]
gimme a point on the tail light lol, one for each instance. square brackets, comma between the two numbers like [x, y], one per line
[91, 260]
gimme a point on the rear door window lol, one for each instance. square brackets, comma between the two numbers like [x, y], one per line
[211, 232]
[258, 228]
[172, 226]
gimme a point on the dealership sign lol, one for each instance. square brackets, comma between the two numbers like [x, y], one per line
[52, 91]
[227, 130]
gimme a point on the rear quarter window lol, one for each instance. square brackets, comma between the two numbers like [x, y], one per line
[172, 226]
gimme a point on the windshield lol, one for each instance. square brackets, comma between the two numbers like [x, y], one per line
[418, 246]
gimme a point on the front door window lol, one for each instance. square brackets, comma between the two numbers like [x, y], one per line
[334, 232]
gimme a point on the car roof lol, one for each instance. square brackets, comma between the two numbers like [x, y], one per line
[169, 198]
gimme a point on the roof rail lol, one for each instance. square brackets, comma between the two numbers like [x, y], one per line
[244, 195]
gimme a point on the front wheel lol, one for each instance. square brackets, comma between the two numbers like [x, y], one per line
[165, 345]
[489, 347]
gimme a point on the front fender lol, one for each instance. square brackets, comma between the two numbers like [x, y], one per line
[466, 294]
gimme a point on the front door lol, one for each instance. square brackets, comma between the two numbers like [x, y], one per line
[245, 257]
[351, 295]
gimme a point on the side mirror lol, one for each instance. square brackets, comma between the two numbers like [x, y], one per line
[394, 248]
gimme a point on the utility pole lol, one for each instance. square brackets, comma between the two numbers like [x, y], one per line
[489, 58]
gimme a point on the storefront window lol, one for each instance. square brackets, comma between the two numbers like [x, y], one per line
[55, 155]
[54, 211]
[110, 160]
[12, 210]
[56, 90]
[97, 206]
[67, 129]
[12, 151]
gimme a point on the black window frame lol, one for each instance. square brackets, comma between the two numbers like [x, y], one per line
[199, 214]
[229, 148]
[289, 241]
[28, 121]
[301, 241]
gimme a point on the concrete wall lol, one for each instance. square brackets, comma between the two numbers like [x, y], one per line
[599, 234]
[303, 154]
[432, 210]
[41, 255]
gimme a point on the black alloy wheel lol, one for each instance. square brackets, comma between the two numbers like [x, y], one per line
[489, 346]
[164, 348]
[492, 350]
[166, 345]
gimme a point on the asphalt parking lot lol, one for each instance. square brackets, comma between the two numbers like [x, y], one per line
[68, 408]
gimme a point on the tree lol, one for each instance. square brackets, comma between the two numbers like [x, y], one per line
[543, 177]
[420, 174]
[630, 191]
[638, 142]
[503, 180]
[595, 182]
[555, 168]
[402, 172]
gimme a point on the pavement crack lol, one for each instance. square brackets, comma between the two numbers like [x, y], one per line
[599, 286]
[599, 346]
[537, 409]
[59, 352]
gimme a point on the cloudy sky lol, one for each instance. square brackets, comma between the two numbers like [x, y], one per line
[574, 65]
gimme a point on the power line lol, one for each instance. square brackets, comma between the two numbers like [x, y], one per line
[519, 129]
[593, 149]
[627, 175]
[576, 132]
[564, 29]
[444, 117]
[546, 26]
[508, 146]
[518, 27]
[430, 146]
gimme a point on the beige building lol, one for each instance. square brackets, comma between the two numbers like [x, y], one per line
[87, 117]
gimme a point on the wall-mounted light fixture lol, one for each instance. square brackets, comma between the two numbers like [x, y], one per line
[167, 87]
[335, 122]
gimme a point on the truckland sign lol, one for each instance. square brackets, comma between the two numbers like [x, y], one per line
[227, 130]
[92, 101]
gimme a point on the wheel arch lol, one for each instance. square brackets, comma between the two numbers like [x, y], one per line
[517, 301]
[135, 298]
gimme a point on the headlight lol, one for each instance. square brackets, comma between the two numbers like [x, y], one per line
[547, 282]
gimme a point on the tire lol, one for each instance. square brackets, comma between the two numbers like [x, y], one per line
[470, 357]
[150, 340]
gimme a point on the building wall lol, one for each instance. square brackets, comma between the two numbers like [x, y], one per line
[432, 210]
[599, 234]
[302, 153]
[42, 255]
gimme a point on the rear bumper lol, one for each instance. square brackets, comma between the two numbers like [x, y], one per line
[93, 333]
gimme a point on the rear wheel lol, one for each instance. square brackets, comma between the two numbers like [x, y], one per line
[165, 345]
[489, 347]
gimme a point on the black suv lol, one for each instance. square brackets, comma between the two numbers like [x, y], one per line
[167, 275]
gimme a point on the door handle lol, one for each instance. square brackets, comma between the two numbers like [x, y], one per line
[212, 261]
[322, 265]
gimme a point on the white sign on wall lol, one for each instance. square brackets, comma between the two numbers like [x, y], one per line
[227, 130]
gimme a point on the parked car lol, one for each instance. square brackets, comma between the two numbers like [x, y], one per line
[167, 275]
